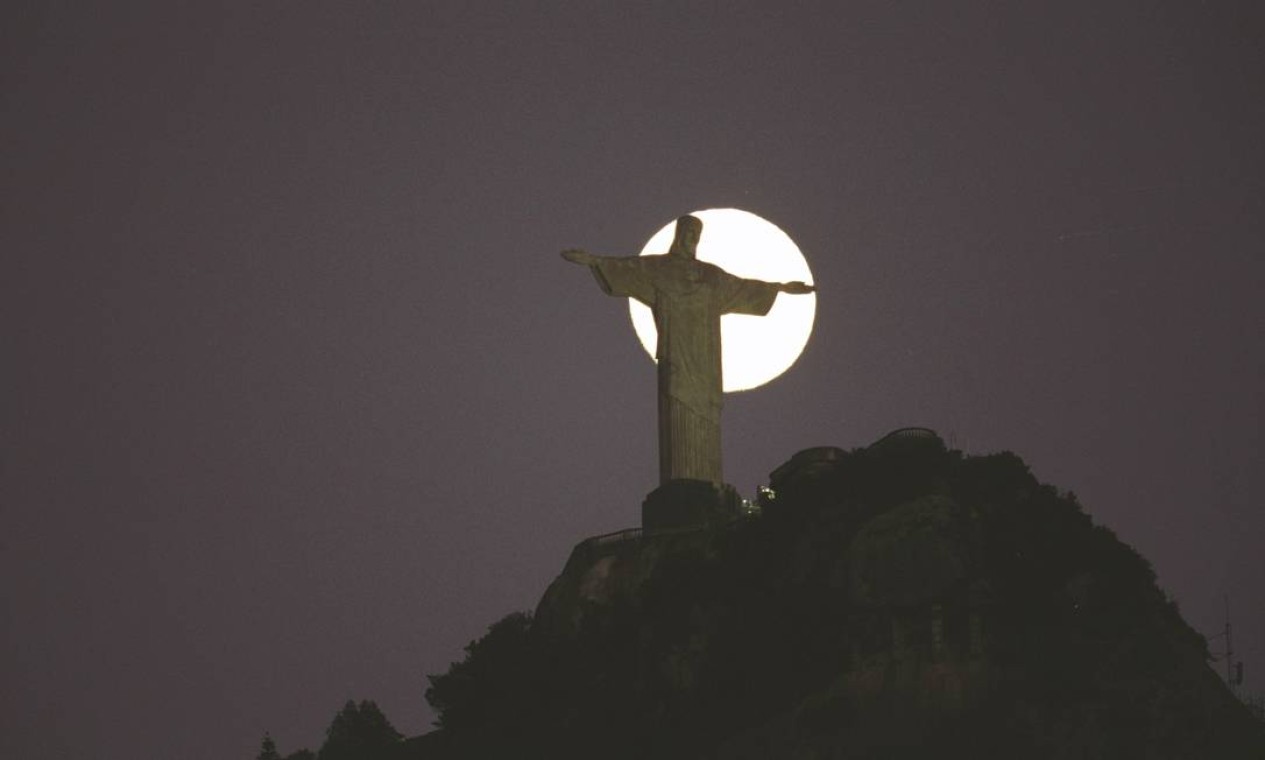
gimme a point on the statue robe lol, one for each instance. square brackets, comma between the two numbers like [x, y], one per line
[687, 297]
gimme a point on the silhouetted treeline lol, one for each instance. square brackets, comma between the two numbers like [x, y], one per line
[358, 732]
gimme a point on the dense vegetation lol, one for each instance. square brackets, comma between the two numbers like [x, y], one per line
[830, 623]
[883, 602]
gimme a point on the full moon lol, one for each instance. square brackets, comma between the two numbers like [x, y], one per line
[754, 350]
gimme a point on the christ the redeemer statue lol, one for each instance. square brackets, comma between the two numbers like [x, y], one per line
[687, 297]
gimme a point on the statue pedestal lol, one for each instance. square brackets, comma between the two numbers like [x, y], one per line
[683, 503]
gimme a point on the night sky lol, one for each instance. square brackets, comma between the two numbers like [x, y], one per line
[298, 396]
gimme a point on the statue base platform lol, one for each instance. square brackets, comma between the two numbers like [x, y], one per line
[683, 503]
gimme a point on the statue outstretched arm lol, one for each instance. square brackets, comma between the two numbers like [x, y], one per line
[579, 256]
[617, 275]
[739, 295]
[796, 288]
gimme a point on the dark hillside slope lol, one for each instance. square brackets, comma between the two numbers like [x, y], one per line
[884, 602]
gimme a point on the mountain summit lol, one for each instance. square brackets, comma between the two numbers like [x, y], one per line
[886, 602]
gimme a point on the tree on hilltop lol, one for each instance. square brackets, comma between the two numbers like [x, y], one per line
[360, 732]
[268, 749]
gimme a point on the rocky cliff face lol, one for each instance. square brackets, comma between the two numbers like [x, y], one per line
[885, 602]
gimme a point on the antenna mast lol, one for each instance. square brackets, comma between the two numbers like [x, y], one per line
[1229, 647]
[1233, 670]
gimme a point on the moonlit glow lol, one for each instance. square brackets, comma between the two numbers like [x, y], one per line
[754, 349]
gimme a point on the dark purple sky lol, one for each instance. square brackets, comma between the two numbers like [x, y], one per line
[299, 397]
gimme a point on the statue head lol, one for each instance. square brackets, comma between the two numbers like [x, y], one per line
[688, 230]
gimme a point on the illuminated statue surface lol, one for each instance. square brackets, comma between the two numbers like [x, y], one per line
[687, 297]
